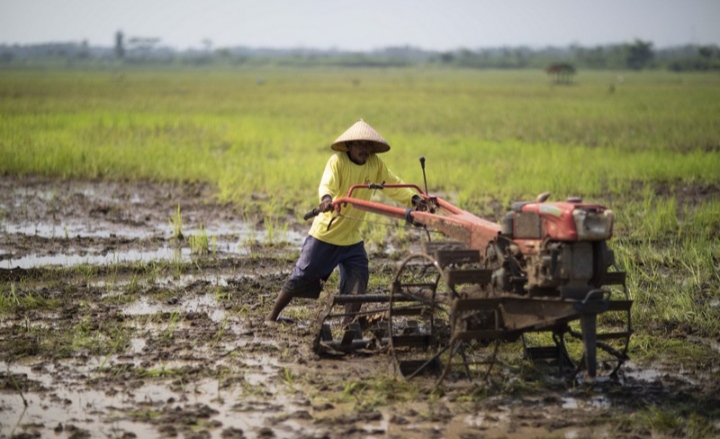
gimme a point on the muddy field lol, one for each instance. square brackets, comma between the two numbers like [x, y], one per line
[114, 328]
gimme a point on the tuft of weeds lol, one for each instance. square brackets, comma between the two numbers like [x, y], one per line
[120, 299]
[134, 288]
[377, 391]
[200, 243]
[176, 225]
[95, 339]
[14, 301]
[288, 378]
[690, 422]
[169, 332]
[221, 331]
[144, 415]
[275, 232]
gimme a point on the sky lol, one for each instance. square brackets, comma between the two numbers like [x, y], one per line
[363, 24]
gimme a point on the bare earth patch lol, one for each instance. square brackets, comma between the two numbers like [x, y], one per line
[113, 328]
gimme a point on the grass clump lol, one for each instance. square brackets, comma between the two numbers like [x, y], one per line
[176, 225]
[12, 300]
[200, 242]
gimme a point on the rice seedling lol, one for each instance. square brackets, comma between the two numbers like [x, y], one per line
[14, 301]
[288, 378]
[176, 225]
[661, 420]
[169, 332]
[221, 331]
[16, 385]
[199, 243]
[275, 231]
[9, 300]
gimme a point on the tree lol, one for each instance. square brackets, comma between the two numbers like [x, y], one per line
[447, 57]
[639, 54]
[119, 47]
[84, 52]
[705, 52]
[142, 47]
[595, 58]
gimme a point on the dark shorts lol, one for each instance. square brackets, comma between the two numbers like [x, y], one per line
[318, 260]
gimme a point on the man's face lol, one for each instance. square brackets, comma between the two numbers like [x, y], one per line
[360, 151]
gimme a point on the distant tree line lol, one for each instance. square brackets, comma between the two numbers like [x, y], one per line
[636, 55]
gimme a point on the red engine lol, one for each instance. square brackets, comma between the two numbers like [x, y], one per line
[553, 248]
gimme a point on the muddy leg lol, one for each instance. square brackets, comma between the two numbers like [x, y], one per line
[354, 275]
[351, 309]
[354, 288]
[280, 303]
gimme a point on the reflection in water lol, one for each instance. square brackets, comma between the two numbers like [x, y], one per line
[164, 254]
[206, 303]
[227, 238]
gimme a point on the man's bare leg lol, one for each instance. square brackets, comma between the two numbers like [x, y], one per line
[280, 303]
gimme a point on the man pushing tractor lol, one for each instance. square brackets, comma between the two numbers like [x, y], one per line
[355, 162]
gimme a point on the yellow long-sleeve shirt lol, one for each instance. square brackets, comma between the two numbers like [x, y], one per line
[340, 174]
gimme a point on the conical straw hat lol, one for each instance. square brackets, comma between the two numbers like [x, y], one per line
[361, 130]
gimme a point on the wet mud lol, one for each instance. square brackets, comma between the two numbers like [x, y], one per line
[113, 327]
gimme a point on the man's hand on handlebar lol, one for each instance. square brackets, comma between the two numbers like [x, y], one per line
[422, 205]
[325, 204]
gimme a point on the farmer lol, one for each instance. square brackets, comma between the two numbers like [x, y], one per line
[355, 162]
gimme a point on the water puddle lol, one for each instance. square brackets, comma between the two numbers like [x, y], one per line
[206, 303]
[483, 420]
[137, 345]
[233, 241]
[8, 321]
[63, 406]
[643, 374]
[597, 402]
[67, 230]
[146, 407]
[69, 260]
[61, 403]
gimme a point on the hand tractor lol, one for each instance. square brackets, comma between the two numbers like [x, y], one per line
[543, 276]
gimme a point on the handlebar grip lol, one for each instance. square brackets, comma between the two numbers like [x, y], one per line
[311, 214]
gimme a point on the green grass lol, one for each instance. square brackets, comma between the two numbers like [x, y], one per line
[503, 134]
[692, 420]
[12, 300]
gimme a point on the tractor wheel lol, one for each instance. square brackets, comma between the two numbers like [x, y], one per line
[475, 356]
[418, 317]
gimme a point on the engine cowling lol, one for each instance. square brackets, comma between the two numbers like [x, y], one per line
[571, 220]
[560, 247]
